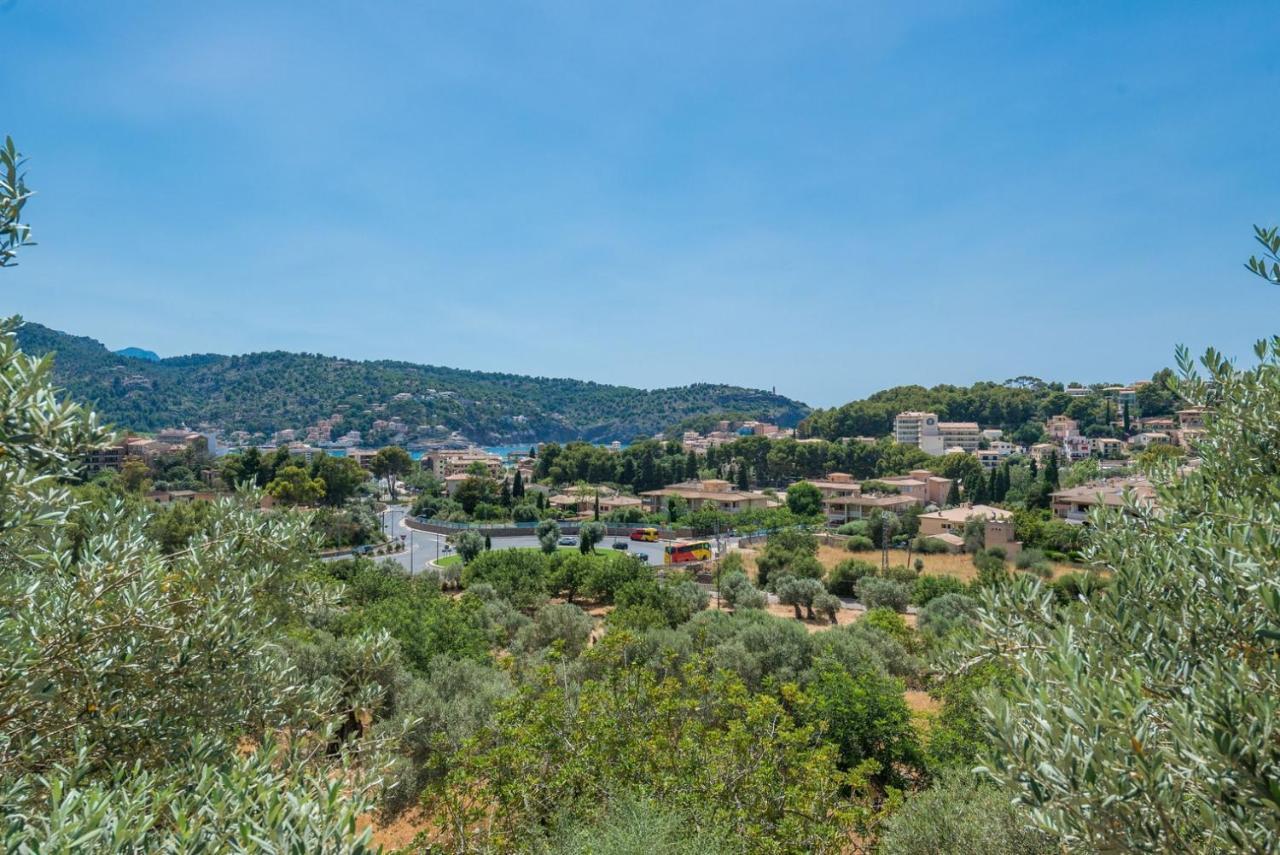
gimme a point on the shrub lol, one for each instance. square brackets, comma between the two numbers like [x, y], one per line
[561, 624]
[854, 527]
[517, 575]
[843, 578]
[898, 573]
[859, 543]
[738, 593]
[991, 568]
[876, 592]
[929, 546]
[928, 588]
[1027, 557]
[891, 624]
[807, 567]
[957, 814]
[944, 614]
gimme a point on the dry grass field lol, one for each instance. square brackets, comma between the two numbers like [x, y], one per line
[958, 565]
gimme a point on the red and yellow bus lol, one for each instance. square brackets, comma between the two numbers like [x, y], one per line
[648, 534]
[687, 552]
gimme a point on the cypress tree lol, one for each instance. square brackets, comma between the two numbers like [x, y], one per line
[993, 486]
[517, 486]
[691, 466]
[1051, 471]
[597, 508]
[744, 479]
[1035, 469]
[953, 494]
[1127, 424]
[504, 494]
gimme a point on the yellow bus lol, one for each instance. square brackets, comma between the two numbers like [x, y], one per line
[649, 534]
[687, 552]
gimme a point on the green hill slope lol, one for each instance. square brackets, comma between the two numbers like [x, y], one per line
[265, 392]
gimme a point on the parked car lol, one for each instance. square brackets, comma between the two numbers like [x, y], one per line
[363, 549]
[621, 544]
[641, 557]
[568, 540]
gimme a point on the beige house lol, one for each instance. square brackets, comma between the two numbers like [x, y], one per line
[922, 485]
[1149, 438]
[1074, 503]
[446, 462]
[843, 509]
[715, 494]
[582, 500]
[952, 520]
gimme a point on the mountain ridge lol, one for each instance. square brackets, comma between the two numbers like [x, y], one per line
[268, 391]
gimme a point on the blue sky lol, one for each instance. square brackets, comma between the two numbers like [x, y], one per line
[829, 198]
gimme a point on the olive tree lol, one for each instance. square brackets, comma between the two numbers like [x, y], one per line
[1148, 719]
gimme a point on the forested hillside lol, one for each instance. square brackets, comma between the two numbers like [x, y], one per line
[1011, 405]
[264, 392]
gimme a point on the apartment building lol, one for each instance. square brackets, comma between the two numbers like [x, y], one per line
[919, 429]
[922, 485]
[962, 436]
[1107, 447]
[1149, 438]
[924, 431]
[1073, 504]
[989, 458]
[445, 462]
[1077, 447]
[837, 484]
[1060, 427]
[711, 493]
[842, 509]
[1041, 451]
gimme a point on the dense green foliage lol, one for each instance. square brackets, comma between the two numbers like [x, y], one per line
[1159, 734]
[134, 667]
[1018, 406]
[264, 392]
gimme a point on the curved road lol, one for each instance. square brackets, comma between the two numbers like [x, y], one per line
[422, 547]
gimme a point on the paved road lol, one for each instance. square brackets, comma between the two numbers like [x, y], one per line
[422, 547]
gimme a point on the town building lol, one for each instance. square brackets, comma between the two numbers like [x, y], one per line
[1074, 503]
[581, 500]
[1107, 447]
[445, 462]
[1042, 451]
[924, 431]
[854, 506]
[711, 493]
[952, 520]
[1060, 427]
[1077, 447]
[1149, 438]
